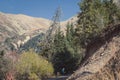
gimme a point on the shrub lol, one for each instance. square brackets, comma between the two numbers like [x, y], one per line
[5, 65]
[32, 66]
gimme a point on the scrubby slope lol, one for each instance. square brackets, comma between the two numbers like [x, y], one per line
[11, 25]
[103, 59]
[18, 28]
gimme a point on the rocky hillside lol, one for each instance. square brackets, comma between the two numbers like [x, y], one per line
[117, 2]
[103, 57]
[16, 30]
[21, 24]
[20, 27]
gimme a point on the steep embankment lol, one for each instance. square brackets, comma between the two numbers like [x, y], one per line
[103, 59]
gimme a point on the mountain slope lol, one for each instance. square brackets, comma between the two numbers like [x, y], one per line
[103, 60]
[20, 24]
[16, 30]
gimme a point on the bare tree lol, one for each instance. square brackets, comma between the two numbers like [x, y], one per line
[50, 33]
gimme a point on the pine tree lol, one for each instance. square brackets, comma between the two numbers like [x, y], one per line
[66, 54]
[70, 38]
[94, 17]
[59, 42]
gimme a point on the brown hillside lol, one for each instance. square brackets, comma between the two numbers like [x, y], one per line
[12, 25]
[102, 61]
[18, 24]
[17, 29]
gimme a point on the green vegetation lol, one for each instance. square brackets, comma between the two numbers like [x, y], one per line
[33, 67]
[67, 50]
[5, 65]
[63, 52]
[63, 49]
[94, 17]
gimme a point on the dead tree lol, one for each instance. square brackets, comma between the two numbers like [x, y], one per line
[50, 33]
[55, 24]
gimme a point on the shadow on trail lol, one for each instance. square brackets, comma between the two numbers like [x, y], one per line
[59, 78]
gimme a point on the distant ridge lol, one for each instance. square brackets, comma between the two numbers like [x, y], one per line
[19, 28]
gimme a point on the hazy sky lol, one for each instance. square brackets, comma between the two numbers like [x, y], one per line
[40, 8]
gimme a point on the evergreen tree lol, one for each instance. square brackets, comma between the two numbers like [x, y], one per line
[65, 55]
[59, 42]
[94, 17]
[72, 47]
[70, 38]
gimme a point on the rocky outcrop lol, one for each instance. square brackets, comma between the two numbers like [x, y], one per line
[117, 2]
[103, 59]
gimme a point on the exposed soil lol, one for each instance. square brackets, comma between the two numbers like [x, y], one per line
[103, 57]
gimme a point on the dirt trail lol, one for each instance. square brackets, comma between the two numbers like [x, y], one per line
[59, 78]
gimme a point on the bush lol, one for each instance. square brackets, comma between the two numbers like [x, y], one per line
[5, 65]
[32, 66]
